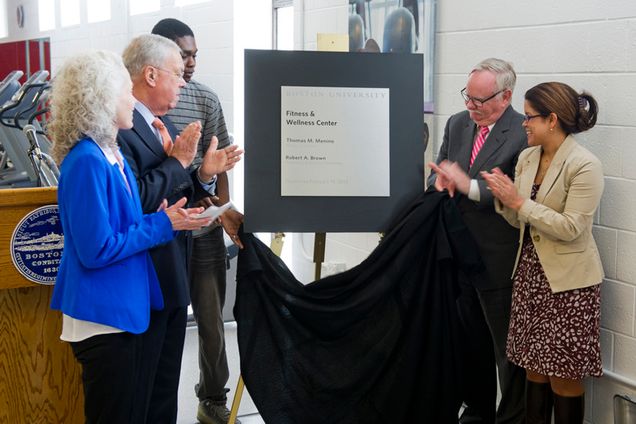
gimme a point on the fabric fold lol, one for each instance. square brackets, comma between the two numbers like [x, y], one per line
[377, 343]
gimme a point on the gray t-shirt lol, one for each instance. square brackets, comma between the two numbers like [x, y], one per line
[198, 102]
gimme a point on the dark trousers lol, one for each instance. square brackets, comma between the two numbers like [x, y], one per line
[111, 366]
[162, 352]
[485, 315]
[207, 291]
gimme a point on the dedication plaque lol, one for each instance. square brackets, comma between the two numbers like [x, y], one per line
[335, 141]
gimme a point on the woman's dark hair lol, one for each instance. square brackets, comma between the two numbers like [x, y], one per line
[576, 112]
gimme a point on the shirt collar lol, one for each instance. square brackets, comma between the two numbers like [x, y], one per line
[108, 152]
[145, 112]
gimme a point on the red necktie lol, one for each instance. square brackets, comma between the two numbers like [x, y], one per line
[166, 140]
[479, 142]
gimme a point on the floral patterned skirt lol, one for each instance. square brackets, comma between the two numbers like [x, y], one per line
[553, 334]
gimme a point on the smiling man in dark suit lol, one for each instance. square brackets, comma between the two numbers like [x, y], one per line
[160, 160]
[486, 135]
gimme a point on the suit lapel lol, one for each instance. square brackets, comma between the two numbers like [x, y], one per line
[556, 167]
[145, 133]
[526, 178]
[463, 156]
[495, 140]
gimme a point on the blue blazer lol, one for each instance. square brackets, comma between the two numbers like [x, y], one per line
[106, 275]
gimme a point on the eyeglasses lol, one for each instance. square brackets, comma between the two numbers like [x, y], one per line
[476, 101]
[177, 75]
[527, 118]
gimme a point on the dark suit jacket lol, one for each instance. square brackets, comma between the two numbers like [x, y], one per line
[161, 177]
[497, 240]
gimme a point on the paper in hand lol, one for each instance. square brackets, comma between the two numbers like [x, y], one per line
[214, 212]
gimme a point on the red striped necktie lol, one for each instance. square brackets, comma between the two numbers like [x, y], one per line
[479, 143]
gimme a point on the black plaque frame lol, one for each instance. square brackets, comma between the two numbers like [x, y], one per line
[265, 72]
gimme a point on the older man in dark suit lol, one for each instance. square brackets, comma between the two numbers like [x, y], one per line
[160, 160]
[486, 135]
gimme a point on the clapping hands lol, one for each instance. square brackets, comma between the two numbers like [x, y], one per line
[184, 148]
[183, 218]
[218, 161]
[503, 188]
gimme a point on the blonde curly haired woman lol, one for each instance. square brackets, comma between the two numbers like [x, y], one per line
[106, 285]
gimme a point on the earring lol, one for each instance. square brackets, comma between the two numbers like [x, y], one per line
[551, 129]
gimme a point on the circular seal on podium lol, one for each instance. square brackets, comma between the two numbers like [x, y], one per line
[37, 243]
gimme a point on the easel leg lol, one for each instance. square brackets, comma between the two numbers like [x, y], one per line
[320, 239]
[236, 402]
[277, 248]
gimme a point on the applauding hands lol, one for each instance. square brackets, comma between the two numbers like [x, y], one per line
[214, 161]
[218, 161]
[503, 188]
[183, 218]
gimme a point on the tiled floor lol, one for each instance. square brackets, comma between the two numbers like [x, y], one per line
[188, 401]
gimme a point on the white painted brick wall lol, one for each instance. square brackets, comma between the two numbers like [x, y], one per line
[619, 204]
[606, 239]
[607, 349]
[610, 154]
[617, 307]
[626, 248]
[624, 354]
[627, 144]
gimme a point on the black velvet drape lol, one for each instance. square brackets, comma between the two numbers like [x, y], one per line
[376, 344]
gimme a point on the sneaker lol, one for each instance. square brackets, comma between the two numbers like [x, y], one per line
[210, 412]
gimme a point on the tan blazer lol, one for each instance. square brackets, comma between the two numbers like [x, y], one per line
[561, 217]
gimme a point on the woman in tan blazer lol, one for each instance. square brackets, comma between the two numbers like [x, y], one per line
[554, 327]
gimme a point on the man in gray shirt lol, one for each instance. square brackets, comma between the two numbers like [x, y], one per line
[208, 258]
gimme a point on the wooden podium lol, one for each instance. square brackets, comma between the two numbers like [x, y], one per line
[40, 380]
